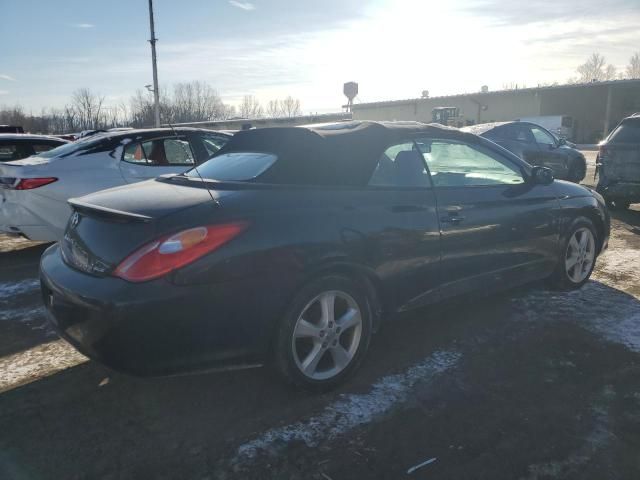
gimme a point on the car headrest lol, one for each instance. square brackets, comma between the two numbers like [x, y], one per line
[409, 169]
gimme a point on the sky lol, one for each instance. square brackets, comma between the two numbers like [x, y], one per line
[394, 49]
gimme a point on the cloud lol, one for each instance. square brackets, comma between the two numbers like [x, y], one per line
[83, 25]
[4, 76]
[242, 5]
[504, 12]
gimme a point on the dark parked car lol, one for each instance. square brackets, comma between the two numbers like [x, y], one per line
[20, 145]
[618, 164]
[293, 244]
[11, 129]
[537, 146]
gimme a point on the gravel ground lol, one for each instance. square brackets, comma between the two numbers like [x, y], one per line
[530, 384]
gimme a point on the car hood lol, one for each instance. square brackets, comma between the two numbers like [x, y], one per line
[567, 148]
[152, 198]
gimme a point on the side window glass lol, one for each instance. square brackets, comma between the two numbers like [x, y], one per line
[9, 151]
[517, 132]
[400, 165]
[542, 137]
[456, 164]
[133, 153]
[160, 152]
[177, 151]
[42, 147]
[212, 144]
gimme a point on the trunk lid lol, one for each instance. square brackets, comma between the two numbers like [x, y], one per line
[107, 226]
[11, 172]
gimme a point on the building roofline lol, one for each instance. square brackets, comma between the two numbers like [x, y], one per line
[382, 103]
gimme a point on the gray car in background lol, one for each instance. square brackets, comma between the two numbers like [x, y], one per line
[537, 146]
[618, 164]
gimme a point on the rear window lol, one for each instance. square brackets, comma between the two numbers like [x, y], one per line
[71, 148]
[235, 166]
[9, 151]
[628, 132]
[44, 147]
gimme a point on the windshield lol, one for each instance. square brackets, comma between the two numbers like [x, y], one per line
[235, 166]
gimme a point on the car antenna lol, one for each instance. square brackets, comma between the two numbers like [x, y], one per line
[195, 165]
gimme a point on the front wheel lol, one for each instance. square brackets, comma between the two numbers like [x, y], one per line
[324, 335]
[577, 171]
[578, 256]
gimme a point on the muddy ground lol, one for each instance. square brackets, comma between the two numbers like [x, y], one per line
[530, 384]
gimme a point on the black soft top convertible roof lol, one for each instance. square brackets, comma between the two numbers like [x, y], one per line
[343, 153]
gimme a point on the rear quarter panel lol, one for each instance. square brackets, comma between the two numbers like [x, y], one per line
[77, 176]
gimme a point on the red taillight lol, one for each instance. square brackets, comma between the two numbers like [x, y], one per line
[171, 252]
[31, 183]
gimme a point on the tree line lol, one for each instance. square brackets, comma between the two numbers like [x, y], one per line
[186, 102]
[597, 69]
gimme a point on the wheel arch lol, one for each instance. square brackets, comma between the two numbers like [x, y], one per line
[593, 215]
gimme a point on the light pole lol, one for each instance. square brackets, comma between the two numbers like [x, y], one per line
[156, 90]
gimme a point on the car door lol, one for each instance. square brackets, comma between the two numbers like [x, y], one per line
[150, 158]
[392, 227]
[497, 229]
[549, 155]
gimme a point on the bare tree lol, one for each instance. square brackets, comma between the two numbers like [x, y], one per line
[227, 112]
[195, 102]
[633, 69]
[88, 107]
[250, 107]
[595, 68]
[274, 109]
[291, 107]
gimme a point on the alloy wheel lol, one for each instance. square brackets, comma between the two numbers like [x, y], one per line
[327, 335]
[580, 255]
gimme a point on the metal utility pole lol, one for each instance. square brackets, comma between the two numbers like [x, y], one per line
[156, 90]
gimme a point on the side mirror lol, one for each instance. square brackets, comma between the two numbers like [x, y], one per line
[542, 175]
[561, 141]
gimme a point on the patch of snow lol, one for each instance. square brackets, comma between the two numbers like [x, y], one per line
[11, 289]
[602, 309]
[25, 315]
[352, 410]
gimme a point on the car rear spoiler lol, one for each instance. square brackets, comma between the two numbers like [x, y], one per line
[90, 208]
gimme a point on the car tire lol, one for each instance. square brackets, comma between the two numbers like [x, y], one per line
[578, 256]
[330, 345]
[577, 170]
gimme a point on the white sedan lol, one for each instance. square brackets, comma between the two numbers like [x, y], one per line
[34, 191]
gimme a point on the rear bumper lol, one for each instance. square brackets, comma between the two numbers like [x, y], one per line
[628, 191]
[157, 328]
[18, 216]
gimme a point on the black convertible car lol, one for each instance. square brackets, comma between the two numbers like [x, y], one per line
[291, 245]
[537, 146]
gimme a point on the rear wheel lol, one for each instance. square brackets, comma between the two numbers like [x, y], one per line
[578, 258]
[324, 335]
